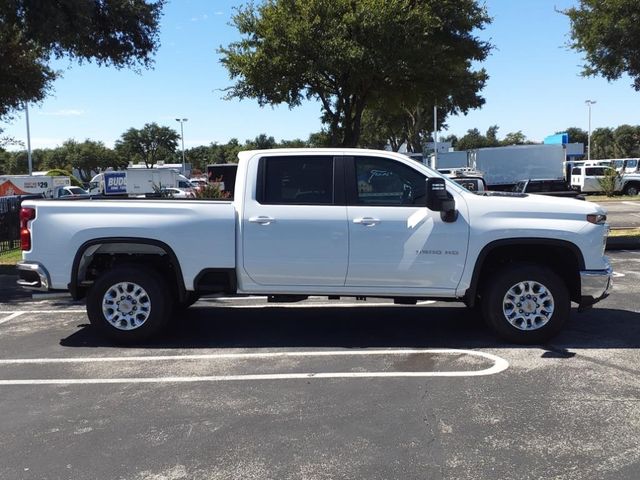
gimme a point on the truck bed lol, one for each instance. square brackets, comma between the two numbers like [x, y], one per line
[201, 233]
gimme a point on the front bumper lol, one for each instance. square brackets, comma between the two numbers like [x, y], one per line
[33, 276]
[595, 285]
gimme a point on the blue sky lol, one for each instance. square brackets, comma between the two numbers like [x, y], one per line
[534, 85]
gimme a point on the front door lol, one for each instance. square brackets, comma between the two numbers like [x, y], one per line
[395, 241]
[295, 230]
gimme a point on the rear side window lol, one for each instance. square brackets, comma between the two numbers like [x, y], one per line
[297, 180]
[595, 171]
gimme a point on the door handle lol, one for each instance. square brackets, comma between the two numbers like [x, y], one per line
[366, 221]
[262, 220]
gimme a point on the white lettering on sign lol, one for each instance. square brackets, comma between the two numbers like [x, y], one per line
[116, 182]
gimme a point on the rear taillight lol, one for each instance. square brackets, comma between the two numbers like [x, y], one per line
[26, 214]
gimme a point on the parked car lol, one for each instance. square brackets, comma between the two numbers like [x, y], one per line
[547, 186]
[69, 191]
[587, 179]
[177, 193]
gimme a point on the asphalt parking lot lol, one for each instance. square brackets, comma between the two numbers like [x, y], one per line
[623, 214]
[241, 389]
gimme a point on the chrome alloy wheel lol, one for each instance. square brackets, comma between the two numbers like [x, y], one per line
[126, 306]
[528, 305]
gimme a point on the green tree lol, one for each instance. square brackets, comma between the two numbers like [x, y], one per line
[261, 142]
[627, 141]
[90, 157]
[576, 135]
[86, 157]
[608, 34]
[150, 144]
[348, 54]
[471, 140]
[122, 33]
[199, 157]
[295, 143]
[450, 138]
[514, 138]
[602, 143]
[492, 136]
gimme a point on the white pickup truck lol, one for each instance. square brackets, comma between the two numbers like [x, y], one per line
[334, 222]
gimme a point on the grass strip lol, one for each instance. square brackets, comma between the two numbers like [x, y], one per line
[11, 257]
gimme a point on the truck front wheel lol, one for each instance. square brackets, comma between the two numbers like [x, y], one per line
[526, 303]
[632, 189]
[129, 304]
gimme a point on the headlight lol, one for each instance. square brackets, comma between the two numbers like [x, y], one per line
[597, 218]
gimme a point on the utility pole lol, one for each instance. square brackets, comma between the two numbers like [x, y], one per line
[182, 120]
[435, 136]
[589, 103]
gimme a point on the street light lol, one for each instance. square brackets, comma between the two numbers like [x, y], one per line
[29, 159]
[589, 103]
[182, 120]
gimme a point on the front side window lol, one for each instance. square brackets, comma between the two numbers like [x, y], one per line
[381, 181]
[298, 180]
[576, 171]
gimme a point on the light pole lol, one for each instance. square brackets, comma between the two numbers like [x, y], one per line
[589, 103]
[29, 159]
[182, 120]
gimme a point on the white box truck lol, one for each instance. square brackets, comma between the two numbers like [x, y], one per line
[503, 167]
[31, 184]
[137, 181]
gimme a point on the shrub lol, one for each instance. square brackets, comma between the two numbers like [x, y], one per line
[609, 182]
[212, 190]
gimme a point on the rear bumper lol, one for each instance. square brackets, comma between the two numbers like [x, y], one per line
[33, 276]
[595, 285]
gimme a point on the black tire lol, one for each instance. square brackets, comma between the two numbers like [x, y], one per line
[134, 326]
[632, 189]
[526, 321]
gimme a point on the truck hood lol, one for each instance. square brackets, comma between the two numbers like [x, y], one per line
[525, 205]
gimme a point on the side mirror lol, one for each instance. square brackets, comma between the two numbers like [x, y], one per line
[439, 200]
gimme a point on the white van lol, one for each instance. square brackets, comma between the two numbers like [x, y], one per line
[587, 178]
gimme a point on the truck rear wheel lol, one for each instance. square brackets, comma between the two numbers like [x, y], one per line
[129, 304]
[526, 304]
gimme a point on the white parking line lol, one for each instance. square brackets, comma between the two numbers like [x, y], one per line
[59, 310]
[11, 317]
[499, 365]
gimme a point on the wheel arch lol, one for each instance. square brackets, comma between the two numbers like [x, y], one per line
[146, 246]
[562, 256]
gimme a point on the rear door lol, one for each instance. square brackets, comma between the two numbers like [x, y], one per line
[395, 241]
[294, 229]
